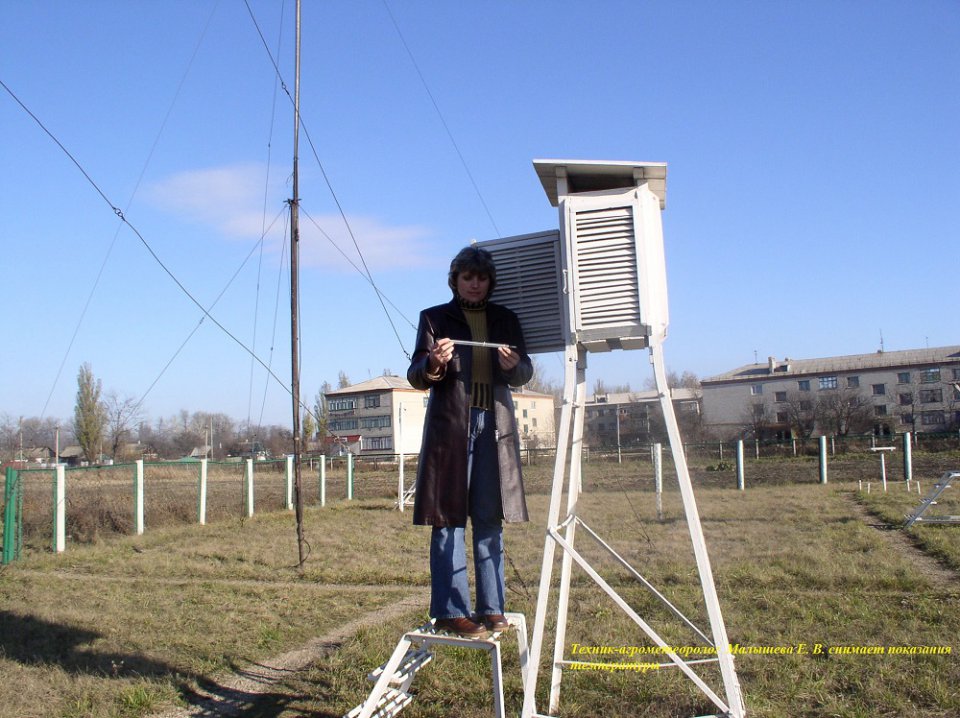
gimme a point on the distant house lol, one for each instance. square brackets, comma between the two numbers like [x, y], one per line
[890, 392]
[72, 455]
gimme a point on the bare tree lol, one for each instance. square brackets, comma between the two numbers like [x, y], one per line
[843, 410]
[123, 415]
[89, 416]
[343, 381]
[801, 414]
[755, 419]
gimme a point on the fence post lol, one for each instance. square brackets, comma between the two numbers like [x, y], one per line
[907, 459]
[794, 442]
[138, 498]
[323, 479]
[11, 516]
[59, 510]
[756, 448]
[248, 488]
[823, 459]
[658, 477]
[202, 494]
[740, 481]
[349, 477]
[289, 500]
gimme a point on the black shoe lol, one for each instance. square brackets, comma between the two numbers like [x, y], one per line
[461, 626]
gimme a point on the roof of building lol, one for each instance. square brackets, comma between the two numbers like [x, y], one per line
[379, 383]
[854, 362]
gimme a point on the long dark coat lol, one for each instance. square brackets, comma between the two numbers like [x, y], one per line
[441, 497]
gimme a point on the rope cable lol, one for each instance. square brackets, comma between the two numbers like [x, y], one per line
[326, 180]
[443, 120]
[216, 300]
[119, 212]
[133, 194]
[266, 189]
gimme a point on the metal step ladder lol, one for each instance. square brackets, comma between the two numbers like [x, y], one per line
[931, 500]
[392, 680]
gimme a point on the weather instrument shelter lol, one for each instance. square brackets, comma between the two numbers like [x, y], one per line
[599, 284]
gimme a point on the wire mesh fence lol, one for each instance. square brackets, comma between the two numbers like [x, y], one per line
[101, 501]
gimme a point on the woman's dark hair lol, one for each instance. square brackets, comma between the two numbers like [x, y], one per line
[476, 260]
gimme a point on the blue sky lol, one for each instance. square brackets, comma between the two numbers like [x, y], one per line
[812, 188]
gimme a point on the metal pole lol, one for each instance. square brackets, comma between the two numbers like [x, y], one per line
[658, 477]
[400, 486]
[740, 481]
[907, 459]
[823, 459]
[616, 408]
[295, 304]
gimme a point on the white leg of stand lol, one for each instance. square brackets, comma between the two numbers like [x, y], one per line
[730, 683]
[496, 668]
[573, 494]
[553, 516]
[383, 681]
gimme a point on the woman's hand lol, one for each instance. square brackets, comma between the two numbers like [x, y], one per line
[440, 354]
[508, 358]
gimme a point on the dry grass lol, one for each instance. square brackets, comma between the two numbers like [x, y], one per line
[121, 627]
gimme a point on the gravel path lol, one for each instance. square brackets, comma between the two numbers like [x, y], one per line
[230, 696]
[899, 540]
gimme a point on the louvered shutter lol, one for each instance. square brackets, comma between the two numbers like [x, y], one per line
[529, 281]
[614, 246]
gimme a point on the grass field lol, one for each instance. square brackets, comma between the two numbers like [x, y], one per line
[130, 626]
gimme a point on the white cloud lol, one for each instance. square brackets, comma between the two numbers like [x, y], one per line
[230, 200]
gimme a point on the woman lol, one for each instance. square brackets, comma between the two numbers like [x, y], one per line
[470, 455]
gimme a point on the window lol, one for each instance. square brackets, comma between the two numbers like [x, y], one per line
[534, 421]
[380, 442]
[375, 422]
[956, 374]
[880, 410]
[879, 389]
[931, 396]
[526, 429]
[341, 404]
[932, 418]
[515, 406]
[756, 389]
[781, 396]
[803, 384]
[524, 413]
[342, 424]
[533, 405]
[782, 417]
[371, 402]
[806, 405]
[906, 398]
[903, 377]
[853, 382]
[906, 418]
[828, 382]
[930, 376]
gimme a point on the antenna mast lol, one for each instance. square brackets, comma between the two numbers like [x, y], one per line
[295, 303]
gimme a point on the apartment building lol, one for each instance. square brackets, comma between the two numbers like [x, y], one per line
[915, 390]
[634, 418]
[385, 415]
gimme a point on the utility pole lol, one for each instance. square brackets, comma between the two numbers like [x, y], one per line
[295, 304]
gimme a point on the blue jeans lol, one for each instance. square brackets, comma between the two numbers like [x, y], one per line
[450, 592]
